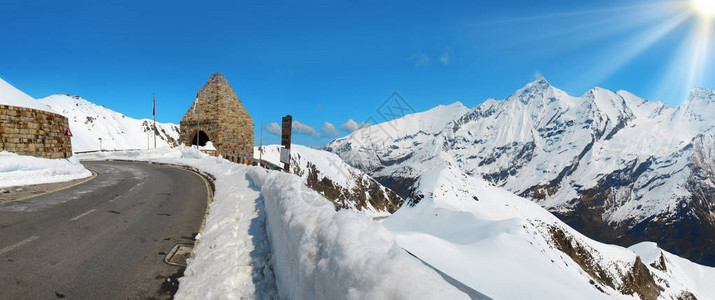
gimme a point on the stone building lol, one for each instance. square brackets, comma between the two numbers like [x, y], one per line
[34, 132]
[219, 117]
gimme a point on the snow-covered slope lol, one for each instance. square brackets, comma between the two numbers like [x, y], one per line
[344, 185]
[616, 167]
[510, 248]
[9, 95]
[90, 122]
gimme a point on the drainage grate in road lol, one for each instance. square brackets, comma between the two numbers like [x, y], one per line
[178, 255]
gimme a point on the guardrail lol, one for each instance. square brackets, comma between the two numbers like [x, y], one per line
[241, 159]
[104, 150]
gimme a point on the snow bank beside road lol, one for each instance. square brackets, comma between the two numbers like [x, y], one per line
[319, 253]
[314, 251]
[16, 170]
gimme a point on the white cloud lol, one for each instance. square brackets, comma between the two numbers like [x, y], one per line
[351, 125]
[421, 59]
[274, 128]
[328, 130]
[444, 58]
[301, 128]
[537, 75]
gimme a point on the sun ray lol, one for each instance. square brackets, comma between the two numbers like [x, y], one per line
[621, 54]
[638, 7]
[605, 26]
[572, 38]
[698, 57]
[687, 66]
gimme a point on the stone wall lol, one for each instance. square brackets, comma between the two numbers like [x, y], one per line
[32, 132]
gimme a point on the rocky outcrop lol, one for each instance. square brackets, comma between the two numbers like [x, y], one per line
[638, 280]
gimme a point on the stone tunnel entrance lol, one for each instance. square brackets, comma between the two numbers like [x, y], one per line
[218, 118]
[203, 138]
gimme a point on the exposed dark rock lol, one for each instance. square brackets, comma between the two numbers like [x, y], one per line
[366, 191]
[660, 264]
[403, 186]
[687, 296]
[638, 280]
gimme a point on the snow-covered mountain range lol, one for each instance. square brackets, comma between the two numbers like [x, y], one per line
[616, 167]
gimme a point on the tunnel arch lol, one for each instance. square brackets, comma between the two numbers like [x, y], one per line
[203, 138]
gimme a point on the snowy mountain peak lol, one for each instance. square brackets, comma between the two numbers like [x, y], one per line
[539, 92]
[609, 103]
[706, 96]
[699, 107]
[456, 105]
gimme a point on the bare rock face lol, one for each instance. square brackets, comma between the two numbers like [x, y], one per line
[220, 117]
[366, 193]
[636, 281]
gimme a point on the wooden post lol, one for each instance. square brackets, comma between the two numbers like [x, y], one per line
[285, 141]
[198, 124]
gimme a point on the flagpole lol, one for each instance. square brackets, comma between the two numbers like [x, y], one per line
[198, 124]
[260, 148]
[153, 112]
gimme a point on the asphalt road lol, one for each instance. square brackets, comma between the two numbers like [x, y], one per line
[103, 239]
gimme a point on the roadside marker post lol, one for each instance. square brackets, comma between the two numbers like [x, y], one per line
[285, 141]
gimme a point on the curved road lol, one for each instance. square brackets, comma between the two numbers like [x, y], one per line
[103, 239]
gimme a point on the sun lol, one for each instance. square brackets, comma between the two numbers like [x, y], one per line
[705, 8]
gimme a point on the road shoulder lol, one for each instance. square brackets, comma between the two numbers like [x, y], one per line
[20, 193]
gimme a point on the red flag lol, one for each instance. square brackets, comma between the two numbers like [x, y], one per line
[153, 106]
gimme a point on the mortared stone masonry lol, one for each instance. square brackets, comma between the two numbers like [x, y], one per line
[219, 117]
[33, 132]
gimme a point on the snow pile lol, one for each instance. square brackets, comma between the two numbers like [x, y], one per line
[90, 122]
[319, 253]
[209, 146]
[9, 95]
[16, 170]
[508, 247]
[314, 251]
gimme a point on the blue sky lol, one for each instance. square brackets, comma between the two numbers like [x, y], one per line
[334, 61]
